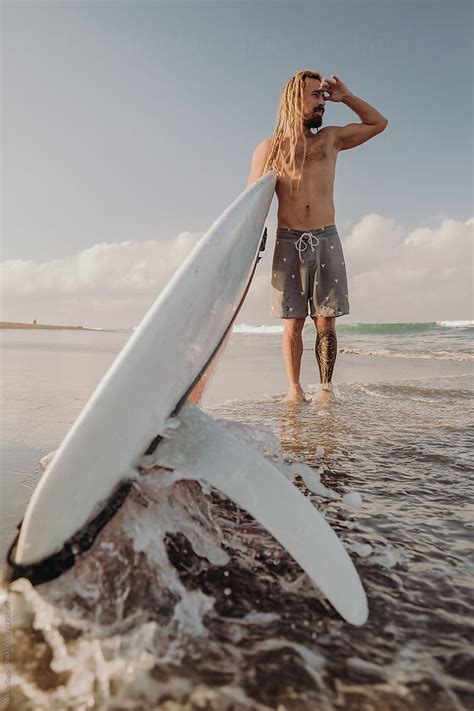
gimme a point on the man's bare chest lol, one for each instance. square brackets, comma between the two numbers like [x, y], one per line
[319, 154]
[315, 153]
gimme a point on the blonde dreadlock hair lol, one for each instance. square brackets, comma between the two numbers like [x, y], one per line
[289, 116]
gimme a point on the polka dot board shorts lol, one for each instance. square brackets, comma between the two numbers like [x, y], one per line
[309, 267]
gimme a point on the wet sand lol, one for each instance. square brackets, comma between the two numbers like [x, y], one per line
[253, 366]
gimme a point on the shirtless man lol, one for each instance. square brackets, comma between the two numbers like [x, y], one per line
[308, 262]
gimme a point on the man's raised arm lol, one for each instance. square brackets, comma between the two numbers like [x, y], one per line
[352, 135]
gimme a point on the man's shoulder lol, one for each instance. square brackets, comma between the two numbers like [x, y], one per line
[330, 129]
[262, 148]
[266, 142]
[330, 133]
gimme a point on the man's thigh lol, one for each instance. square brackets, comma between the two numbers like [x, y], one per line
[289, 282]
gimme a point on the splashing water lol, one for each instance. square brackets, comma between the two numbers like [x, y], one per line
[184, 601]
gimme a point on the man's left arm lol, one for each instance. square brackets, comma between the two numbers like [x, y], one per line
[352, 135]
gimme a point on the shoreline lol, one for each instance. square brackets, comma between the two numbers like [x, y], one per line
[19, 325]
[249, 372]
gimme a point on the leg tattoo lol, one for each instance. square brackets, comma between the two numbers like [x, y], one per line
[326, 351]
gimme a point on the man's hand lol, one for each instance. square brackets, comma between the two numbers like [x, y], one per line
[336, 89]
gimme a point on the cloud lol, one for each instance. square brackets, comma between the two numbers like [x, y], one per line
[422, 275]
[111, 284]
[393, 275]
[106, 268]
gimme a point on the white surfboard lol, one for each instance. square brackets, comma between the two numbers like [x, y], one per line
[163, 369]
[150, 378]
[201, 447]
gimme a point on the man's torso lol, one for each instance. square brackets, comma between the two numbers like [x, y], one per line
[313, 205]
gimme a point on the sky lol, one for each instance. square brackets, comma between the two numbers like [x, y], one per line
[128, 127]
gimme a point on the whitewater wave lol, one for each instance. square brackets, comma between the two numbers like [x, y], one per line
[455, 324]
[360, 327]
[357, 326]
[246, 328]
[431, 355]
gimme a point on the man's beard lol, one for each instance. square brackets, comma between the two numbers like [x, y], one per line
[313, 121]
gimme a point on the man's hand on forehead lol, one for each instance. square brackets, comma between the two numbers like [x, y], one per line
[336, 89]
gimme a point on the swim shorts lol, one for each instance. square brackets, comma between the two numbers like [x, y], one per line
[309, 267]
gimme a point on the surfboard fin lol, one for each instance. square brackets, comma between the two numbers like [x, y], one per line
[262, 244]
[203, 448]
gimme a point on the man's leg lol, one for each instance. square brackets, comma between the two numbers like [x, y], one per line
[326, 346]
[292, 353]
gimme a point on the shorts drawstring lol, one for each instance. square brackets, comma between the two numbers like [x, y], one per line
[301, 245]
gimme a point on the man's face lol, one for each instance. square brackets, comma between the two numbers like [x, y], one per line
[314, 104]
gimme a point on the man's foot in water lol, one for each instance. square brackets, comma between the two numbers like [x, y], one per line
[295, 394]
[323, 393]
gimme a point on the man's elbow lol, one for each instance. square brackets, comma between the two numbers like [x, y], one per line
[380, 126]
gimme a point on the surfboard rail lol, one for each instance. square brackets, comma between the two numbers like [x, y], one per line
[150, 379]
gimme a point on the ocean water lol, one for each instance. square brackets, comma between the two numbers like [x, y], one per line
[185, 602]
[450, 340]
